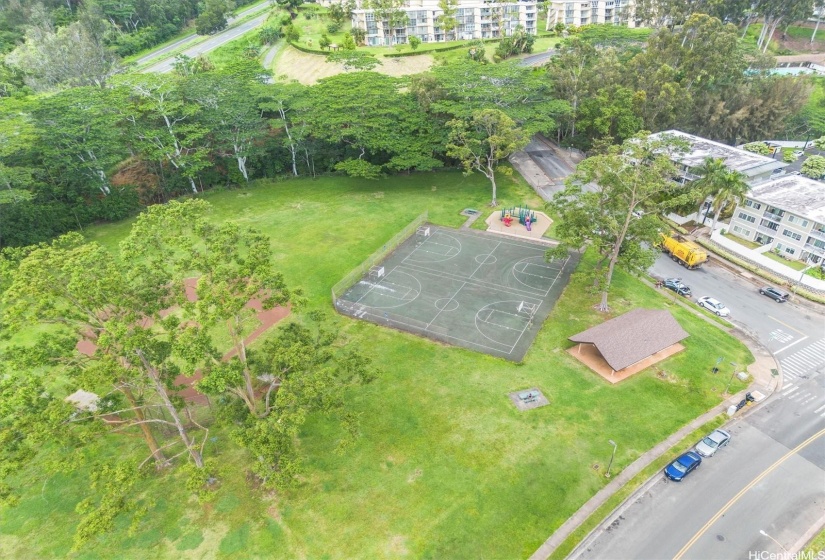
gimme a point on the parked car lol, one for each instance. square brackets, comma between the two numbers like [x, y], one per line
[683, 466]
[676, 285]
[798, 154]
[774, 294]
[714, 305]
[715, 440]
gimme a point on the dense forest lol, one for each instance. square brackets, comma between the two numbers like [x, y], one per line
[77, 151]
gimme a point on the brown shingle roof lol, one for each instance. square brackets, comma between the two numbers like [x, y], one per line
[634, 336]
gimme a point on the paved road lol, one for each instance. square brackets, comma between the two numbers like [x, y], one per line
[537, 59]
[762, 480]
[210, 44]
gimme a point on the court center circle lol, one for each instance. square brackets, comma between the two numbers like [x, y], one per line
[446, 304]
[486, 258]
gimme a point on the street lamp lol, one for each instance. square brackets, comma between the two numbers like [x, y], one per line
[801, 276]
[613, 443]
[764, 534]
[734, 364]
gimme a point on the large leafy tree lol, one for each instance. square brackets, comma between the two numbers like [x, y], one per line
[603, 199]
[484, 140]
[459, 90]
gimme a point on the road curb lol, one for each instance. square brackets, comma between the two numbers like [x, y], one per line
[600, 498]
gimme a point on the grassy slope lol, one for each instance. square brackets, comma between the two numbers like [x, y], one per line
[445, 466]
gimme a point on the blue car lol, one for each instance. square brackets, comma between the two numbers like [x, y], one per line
[682, 466]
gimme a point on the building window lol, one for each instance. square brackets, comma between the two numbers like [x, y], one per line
[790, 251]
[793, 235]
[747, 217]
[797, 220]
[742, 231]
[752, 204]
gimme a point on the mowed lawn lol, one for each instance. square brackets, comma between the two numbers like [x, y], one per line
[444, 467]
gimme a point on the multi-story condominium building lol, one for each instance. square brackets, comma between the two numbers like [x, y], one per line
[755, 167]
[476, 19]
[786, 214]
[582, 12]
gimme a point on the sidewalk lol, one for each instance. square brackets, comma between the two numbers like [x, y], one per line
[763, 381]
[762, 261]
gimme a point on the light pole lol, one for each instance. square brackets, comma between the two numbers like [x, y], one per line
[764, 534]
[801, 276]
[613, 443]
[734, 364]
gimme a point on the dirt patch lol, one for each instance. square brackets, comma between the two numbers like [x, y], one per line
[307, 68]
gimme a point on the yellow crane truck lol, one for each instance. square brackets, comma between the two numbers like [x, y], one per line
[687, 253]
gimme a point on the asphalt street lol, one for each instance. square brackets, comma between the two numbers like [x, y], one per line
[770, 478]
[210, 44]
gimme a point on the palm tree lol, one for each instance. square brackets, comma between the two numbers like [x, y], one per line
[711, 174]
[730, 189]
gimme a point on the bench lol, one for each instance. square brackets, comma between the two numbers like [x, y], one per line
[529, 396]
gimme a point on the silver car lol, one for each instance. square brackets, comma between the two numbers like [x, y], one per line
[708, 446]
[713, 305]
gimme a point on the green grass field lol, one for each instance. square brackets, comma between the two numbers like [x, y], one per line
[445, 467]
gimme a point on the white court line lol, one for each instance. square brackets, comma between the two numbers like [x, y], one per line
[819, 409]
[487, 321]
[791, 344]
[411, 326]
[788, 392]
[475, 322]
[452, 297]
[391, 306]
[430, 240]
[490, 254]
[535, 296]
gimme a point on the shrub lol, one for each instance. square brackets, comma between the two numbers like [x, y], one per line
[415, 42]
[333, 27]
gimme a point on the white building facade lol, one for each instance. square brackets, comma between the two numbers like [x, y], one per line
[786, 216]
[584, 12]
[476, 20]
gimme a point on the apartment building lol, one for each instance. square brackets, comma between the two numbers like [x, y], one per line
[583, 12]
[476, 19]
[755, 167]
[787, 216]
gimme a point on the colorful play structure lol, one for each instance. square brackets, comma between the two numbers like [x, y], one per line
[525, 216]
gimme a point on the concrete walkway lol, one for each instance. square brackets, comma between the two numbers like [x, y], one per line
[764, 381]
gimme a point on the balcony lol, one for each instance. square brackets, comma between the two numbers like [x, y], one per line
[773, 217]
[762, 229]
[818, 234]
[814, 249]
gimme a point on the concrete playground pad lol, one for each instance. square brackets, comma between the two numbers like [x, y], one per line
[462, 287]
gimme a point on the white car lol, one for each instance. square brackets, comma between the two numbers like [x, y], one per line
[798, 154]
[710, 444]
[714, 305]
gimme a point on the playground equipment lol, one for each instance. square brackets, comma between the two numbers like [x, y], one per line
[525, 216]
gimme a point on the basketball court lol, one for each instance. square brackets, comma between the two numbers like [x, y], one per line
[463, 287]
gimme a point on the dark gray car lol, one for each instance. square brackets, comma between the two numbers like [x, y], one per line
[774, 294]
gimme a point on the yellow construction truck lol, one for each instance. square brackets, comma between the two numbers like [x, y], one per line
[687, 253]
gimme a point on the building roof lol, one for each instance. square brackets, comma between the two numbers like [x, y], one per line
[748, 163]
[634, 336]
[793, 193]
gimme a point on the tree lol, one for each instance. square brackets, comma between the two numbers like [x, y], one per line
[310, 369]
[483, 141]
[164, 127]
[415, 42]
[459, 90]
[570, 72]
[279, 101]
[359, 35]
[638, 175]
[446, 20]
[92, 296]
[73, 55]
[814, 167]
[758, 148]
[730, 190]
[611, 113]
[213, 17]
